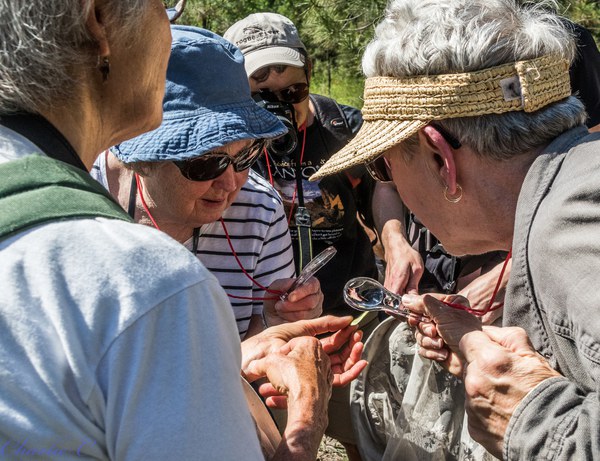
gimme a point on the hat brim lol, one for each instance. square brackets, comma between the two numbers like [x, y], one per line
[184, 135]
[271, 56]
[372, 140]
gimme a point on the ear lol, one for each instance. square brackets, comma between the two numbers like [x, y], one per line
[443, 156]
[308, 69]
[96, 26]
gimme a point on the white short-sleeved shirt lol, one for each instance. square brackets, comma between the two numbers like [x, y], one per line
[116, 344]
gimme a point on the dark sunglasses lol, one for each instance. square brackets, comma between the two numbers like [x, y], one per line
[292, 94]
[212, 165]
[379, 169]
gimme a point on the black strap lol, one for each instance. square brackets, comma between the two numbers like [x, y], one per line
[45, 136]
[303, 220]
[304, 227]
[195, 240]
[132, 197]
[333, 126]
[39, 189]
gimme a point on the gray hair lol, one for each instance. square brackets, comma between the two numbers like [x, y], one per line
[42, 41]
[431, 37]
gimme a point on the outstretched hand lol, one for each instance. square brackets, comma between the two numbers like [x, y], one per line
[299, 369]
[344, 347]
[439, 339]
[300, 374]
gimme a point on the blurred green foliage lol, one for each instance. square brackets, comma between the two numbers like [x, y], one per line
[337, 31]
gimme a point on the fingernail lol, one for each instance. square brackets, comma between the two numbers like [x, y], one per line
[409, 300]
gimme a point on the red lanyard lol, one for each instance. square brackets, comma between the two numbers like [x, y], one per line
[146, 209]
[275, 292]
[490, 307]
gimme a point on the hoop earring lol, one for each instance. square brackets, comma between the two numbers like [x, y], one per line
[103, 66]
[456, 198]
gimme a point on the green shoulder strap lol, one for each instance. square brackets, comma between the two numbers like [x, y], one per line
[37, 189]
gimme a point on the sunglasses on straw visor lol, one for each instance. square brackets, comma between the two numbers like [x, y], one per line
[292, 94]
[213, 164]
[379, 169]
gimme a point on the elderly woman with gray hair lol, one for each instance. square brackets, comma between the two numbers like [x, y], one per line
[468, 109]
[116, 342]
[191, 178]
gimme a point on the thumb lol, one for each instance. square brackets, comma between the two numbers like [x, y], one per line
[477, 344]
[432, 304]
[513, 338]
[322, 325]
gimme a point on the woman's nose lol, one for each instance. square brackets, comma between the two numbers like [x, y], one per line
[227, 179]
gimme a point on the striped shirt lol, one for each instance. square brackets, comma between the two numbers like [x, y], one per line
[259, 234]
[258, 231]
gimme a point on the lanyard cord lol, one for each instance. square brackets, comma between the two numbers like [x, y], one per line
[490, 307]
[196, 238]
[274, 292]
[268, 165]
[303, 130]
[146, 209]
[299, 176]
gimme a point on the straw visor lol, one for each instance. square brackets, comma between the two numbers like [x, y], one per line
[396, 108]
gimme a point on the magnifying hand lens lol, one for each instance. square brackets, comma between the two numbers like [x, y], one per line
[311, 269]
[367, 294]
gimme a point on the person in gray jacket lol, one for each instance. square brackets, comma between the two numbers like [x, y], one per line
[473, 119]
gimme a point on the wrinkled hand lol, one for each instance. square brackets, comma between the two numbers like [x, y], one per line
[305, 302]
[300, 371]
[439, 339]
[480, 291]
[344, 347]
[300, 368]
[502, 368]
[404, 267]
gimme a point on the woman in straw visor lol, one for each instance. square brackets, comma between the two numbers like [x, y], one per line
[468, 110]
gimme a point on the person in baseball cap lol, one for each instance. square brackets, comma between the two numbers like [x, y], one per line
[267, 38]
[319, 214]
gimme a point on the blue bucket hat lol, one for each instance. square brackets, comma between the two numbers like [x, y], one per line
[207, 102]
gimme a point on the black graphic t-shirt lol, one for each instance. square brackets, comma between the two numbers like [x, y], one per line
[333, 202]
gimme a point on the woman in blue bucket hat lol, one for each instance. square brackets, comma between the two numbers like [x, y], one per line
[191, 179]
